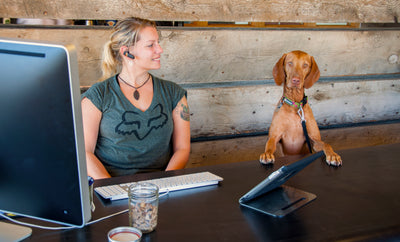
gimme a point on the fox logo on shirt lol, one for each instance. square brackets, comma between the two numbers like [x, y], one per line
[133, 123]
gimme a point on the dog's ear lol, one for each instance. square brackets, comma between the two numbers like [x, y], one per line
[313, 75]
[279, 71]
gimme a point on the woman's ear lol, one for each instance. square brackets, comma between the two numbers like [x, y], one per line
[279, 71]
[313, 75]
[123, 50]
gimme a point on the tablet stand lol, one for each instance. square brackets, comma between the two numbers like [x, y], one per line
[280, 201]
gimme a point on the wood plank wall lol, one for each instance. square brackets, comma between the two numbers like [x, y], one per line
[228, 71]
[360, 11]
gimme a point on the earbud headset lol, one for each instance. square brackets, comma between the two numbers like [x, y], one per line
[126, 53]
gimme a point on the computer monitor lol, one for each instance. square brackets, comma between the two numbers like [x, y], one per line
[42, 155]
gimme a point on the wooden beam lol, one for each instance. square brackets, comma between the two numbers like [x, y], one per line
[269, 25]
[358, 11]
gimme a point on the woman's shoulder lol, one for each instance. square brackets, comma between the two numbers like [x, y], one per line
[100, 93]
[105, 83]
[170, 90]
[99, 89]
[166, 84]
[102, 86]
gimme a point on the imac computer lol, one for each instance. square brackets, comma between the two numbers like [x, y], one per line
[42, 155]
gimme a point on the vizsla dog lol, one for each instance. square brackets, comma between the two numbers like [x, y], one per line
[296, 70]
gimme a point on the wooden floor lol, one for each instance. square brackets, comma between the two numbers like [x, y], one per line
[249, 148]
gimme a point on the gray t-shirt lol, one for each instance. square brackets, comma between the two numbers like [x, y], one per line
[129, 140]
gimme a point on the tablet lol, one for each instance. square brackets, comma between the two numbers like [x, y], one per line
[270, 197]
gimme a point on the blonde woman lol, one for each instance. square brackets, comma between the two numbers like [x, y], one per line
[133, 121]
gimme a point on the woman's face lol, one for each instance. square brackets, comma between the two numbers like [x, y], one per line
[147, 50]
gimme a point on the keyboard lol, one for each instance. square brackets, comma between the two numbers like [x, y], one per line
[165, 184]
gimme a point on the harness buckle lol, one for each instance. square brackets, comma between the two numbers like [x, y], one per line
[300, 112]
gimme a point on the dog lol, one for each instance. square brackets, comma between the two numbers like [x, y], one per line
[297, 70]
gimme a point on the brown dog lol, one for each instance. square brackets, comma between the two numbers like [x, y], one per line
[296, 70]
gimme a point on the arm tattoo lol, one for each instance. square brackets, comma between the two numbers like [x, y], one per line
[184, 112]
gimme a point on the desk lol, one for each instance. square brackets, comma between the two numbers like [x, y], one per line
[358, 201]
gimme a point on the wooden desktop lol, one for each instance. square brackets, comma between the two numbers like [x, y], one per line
[359, 201]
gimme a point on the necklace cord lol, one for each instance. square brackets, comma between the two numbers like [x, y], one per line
[127, 83]
[136, 93]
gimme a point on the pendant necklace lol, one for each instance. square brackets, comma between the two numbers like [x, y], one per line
[136, 93]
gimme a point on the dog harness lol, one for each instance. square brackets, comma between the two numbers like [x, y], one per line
[300, 112]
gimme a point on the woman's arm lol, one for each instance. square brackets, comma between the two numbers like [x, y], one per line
[91, 123]
[180, 136]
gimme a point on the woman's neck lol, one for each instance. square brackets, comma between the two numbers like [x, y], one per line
[134, 78]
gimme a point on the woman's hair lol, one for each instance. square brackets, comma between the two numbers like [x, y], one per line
[125, 33]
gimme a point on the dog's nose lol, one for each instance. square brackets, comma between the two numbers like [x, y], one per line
[296, 81]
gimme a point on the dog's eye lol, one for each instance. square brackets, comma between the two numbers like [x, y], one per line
[290, 63]
[305, 65]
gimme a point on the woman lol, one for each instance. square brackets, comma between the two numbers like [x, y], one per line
[133, 121]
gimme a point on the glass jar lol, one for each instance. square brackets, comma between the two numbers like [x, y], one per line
[143, 206]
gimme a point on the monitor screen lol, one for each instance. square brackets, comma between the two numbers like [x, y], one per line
[42, 154]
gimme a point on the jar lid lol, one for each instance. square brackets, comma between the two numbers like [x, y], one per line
[124, 234]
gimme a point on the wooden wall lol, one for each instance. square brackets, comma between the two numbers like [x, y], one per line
[228, 71]
[360, 11]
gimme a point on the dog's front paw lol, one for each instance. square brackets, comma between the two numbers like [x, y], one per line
[333, 159]
[267, 158]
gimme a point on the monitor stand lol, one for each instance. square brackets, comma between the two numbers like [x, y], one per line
[13, 232]
[280, 201]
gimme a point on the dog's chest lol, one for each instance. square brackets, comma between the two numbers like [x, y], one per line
[292, 137]
[290, 123]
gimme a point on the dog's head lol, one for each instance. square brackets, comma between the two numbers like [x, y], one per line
[297, 69]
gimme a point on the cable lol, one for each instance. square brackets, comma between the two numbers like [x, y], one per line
[106, 217]
[36, 226]
[59, 228]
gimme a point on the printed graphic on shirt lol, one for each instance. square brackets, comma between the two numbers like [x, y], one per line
[133, 123]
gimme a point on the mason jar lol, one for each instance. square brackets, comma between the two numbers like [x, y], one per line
[143, 206]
